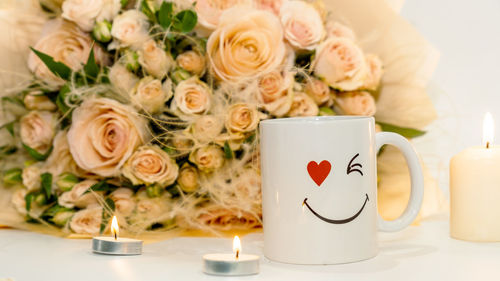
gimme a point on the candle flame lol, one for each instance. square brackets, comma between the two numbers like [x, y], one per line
[236, 246]
[488, 130]
[115, 229]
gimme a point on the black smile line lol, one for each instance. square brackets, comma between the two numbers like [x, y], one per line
[336, 221]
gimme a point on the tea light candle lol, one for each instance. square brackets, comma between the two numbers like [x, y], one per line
[231, 264]
[116, 245]
[475, 190]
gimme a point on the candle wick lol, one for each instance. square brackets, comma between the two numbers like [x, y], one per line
[487, 144]
[116, 237]
[237, 254]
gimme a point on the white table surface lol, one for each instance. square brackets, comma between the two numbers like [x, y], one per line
[467, 35]
[416, 253]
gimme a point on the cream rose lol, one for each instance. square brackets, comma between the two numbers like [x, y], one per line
[318, 91]
[87, 221]
[104, 134]
[85, 12]
[192, 97]
[193, 62]
[303, 105]
[124, 202]
[150, 208]
[66, 43]
[109, 10]
[60, 159]
[31, 177]
[155, 60]
[302, 24]
[18, 201]
[210, 11]
[242, 118]
[122, 79]
[336, 29]
[247, 43]
[274, 92]
[356, 103]
[150, 165]
[340, 63]
[374, 73]
[222, 218]
[150, 95]
[207, 127]
[207, 158]
[77, 197]
[247, 186]
[273, 6]
[38, 101]
[188, 178]
[130, 28]
[38, 129]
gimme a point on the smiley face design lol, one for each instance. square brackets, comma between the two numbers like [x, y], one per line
[319, 172]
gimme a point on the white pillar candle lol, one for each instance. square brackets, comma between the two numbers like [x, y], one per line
[475, 190]
[116, 245]
[231, 264]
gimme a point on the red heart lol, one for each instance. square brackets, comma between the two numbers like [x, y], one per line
[319, 172]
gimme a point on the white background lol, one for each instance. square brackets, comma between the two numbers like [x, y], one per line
[466, 83]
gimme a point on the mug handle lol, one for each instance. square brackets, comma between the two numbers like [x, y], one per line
[417, 181]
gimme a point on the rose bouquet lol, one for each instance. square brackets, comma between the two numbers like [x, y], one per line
[149, 110]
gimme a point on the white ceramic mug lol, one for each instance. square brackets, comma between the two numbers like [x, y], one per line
[319, 182]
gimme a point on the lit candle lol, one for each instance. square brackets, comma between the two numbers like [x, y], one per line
[116, 245]
[231, 264]
[475, 190]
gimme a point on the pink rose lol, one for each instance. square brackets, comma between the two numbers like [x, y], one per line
[302, 24]
[104, 134]
[247, 43]
[340, 63]
[356, 103]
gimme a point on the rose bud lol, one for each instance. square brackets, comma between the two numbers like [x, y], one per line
[131, 60]
[13, 176]
[102, 31]
[36, 100]
[62, 217]
[66, 181]
[154, 190]
[188, 178]
[41, 199]
[179, 75]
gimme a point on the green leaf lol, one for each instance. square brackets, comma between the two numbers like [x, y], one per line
[61, 99]
[7, 150]
[91, 68]
[111, 204]
[105, 214]
[146, 9]
[123, 3]
[13, 176]
[58, 68]
[9, 126]
[185, 21]
[47, 184]
[29, 199]
[37, 155]
[100, 186]
[326, 111]
[405, 132]
[228, 152]
[52, 211]
[165, 14]
[250, 138]
[13, 100]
